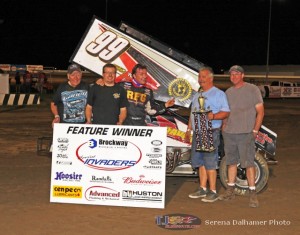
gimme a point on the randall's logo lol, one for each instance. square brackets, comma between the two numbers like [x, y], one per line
[102, 179]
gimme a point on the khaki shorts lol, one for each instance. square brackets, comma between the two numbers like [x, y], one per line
[239, 148]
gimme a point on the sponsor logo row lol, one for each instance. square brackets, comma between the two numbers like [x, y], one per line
[77, 177]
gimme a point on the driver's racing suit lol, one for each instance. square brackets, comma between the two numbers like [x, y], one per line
[141, 103]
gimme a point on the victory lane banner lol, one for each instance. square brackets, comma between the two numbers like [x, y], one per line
[103, 43]
[109, 165]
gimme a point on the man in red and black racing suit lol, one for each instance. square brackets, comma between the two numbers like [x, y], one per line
[140, 98]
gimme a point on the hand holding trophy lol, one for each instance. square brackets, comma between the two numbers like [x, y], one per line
[203, 127]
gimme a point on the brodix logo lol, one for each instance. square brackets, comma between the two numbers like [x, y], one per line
[92, 154]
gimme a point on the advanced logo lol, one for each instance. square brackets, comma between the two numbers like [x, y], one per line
[109, 155]
[67, 191]
[177, 221]
[100, 193]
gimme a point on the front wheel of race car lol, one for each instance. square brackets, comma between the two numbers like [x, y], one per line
[241, 188]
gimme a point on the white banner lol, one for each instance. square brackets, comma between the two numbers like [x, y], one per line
[109, 165]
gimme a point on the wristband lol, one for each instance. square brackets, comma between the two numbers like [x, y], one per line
[56, 116]
[254, 131]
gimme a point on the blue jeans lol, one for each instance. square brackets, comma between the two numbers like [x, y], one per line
[207, 159]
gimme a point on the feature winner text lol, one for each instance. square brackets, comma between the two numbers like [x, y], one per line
[118, 131]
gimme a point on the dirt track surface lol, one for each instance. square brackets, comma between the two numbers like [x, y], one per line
[25, 206]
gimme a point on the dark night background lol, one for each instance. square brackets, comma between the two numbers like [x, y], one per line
[215, 32]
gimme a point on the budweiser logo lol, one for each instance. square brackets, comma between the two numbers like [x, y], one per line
[140, 180]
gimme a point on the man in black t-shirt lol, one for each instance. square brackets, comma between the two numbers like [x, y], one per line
[69, 101]
[107, 104]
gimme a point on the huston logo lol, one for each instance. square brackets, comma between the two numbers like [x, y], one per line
[109, 159]
[142, 195]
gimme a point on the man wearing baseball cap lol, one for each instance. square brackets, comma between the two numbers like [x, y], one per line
[240, 130]
[69, 101]
[74, 67]
[236, 68]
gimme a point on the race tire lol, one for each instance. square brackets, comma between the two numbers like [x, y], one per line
[241, 188]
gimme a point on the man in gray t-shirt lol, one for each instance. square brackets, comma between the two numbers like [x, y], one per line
[240, 130]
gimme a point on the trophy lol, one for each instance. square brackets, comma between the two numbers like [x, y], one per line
[203, 127]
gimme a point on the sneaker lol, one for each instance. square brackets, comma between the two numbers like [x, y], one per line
[198, 193]
[210, 197]
[228, 195]
[253, 199]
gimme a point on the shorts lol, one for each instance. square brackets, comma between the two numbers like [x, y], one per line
[207, 159]
[239, 148]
